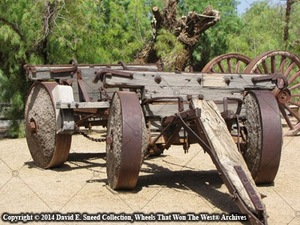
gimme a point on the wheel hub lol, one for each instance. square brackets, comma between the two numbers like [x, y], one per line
[283, 96]
[33, 126]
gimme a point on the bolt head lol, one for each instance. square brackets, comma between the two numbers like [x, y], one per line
[109, 140]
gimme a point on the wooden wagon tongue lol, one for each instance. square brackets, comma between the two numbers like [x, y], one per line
[211, 132]
[229, 162]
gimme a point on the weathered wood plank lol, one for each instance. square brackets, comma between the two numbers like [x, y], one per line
[46, 72]
[82, 105]
[183, 79]
[211, 86]
[224, 147]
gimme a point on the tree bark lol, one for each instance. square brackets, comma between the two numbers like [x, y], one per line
[186, 29]
[50, 15]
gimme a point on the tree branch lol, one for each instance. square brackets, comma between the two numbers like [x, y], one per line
[169, 14]
[13, 26]
[49, 17]
[196, 24]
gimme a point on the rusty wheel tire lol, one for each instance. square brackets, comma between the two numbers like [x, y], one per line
[47, 148]
[264, 135]
[126, 141]
[287, 64]
[227, 63]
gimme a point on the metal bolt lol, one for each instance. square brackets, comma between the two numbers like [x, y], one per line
[200, 97]
[227, 81]
[152, 152]
[109, 140]
[199, 80]
[284, 96]
[157, 79]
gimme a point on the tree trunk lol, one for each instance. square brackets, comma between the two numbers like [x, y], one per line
[50, 15]
[186, 30]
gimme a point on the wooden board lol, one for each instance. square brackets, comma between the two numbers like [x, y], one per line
[225, 149]
[46, 72]
[168, 84]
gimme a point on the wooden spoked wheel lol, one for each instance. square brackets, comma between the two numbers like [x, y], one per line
[287, 64]
[263, 135]
[126, 141]
[227, 63]
[47, 148]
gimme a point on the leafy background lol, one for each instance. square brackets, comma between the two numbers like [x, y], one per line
[107, 31]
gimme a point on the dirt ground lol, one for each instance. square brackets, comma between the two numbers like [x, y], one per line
[173, 184]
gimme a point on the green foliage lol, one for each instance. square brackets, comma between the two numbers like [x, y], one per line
[99, 31]
[16, 129]
[294, 32]
[9, 94]
[168, 47]
[262, 30]
[54, 31]
[17, 40]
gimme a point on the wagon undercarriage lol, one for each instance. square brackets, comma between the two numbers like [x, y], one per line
[234, 117]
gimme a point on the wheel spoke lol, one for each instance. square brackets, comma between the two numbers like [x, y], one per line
[294, 87]
[273, 64]
[282, 64]
[257, 71]
[289, 67]
[294, 77]
[264, 65]
[285, 116]
[294, 103]
[221, 67]
[238, 66]
[229, 65]
[292, 112]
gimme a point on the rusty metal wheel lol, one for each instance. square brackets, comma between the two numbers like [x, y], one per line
[287, 64]
[47, 148]
[263, 135]
[227, 63]
[126, 141]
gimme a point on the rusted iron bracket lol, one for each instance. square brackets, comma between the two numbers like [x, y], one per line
[229, 115]
[71, 70]
[156, 99]
[279, 80]
[248, 187]
[61, 70]
[111, 72]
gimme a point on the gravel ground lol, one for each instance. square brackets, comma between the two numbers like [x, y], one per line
[172, 184]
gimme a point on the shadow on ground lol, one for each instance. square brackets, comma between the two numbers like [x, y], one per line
[78, 161]
[203, 183]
